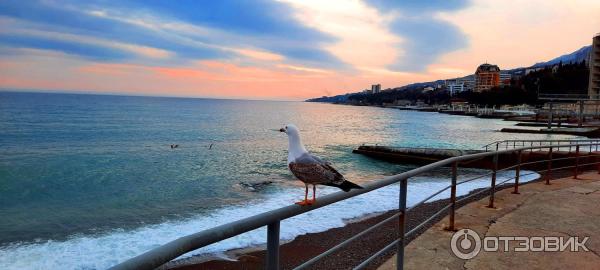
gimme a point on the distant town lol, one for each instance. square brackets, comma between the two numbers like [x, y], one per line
[574, 74]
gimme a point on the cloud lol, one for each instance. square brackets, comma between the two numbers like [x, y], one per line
[418, 6]
[183, 30]
[362, 38]
[267, 51]
[67, 19]
[93, 52]
[42, 37]
[425, 41]
[425, 37]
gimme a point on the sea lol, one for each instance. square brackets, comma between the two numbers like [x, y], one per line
[88, 181]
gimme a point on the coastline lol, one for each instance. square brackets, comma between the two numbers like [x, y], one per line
[306, 246]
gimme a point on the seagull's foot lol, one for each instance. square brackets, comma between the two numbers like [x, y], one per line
[304, 202]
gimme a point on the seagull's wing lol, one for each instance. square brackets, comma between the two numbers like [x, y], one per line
[312, 170]
[310, 157]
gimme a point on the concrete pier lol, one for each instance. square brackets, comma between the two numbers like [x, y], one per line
[422, 156]
[418, 156]
[567, 207]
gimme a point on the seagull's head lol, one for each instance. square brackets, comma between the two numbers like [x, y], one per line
[290, 129]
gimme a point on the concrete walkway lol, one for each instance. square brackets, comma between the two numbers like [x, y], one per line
[567, 207]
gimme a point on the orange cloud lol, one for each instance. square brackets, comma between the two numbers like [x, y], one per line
[201, 79]
[510, 37]
[260, 55]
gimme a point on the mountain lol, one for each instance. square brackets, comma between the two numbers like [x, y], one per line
[334, 99]
[577, 56]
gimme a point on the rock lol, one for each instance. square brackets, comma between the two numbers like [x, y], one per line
[255, 186]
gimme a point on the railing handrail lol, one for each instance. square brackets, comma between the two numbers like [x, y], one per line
[541, 141]
[171, 250]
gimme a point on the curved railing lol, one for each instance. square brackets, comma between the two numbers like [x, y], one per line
[511, 144]
[165, 253]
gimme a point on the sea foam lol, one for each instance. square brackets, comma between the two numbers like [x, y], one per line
[103, 251]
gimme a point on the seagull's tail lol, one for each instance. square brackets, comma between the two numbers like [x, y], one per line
[347, 186]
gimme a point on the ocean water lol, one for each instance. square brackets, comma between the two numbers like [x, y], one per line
[87, 181]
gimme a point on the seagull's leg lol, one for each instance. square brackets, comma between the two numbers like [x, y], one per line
[305, 202]
[305, 193]
[314, 199]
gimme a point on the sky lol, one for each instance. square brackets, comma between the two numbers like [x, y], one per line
[275, 49]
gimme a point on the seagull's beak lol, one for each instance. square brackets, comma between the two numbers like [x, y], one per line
[281, 130]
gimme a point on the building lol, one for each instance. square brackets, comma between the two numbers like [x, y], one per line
[455, 86]
[428, 89]
[458, 102]
[529, 70]
[505, 78]
[594, 86]
[402, 102]
[376, 88]
[458, 85]
[486, 77]
[469, 82]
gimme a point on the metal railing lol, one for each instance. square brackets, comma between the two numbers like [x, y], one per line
[165, 253]
[512, 144]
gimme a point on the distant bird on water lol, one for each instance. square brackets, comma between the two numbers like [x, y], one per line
[310, 169]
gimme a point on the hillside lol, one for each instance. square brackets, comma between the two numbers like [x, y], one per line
[575, 57]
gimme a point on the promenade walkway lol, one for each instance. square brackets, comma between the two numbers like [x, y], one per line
[567, 207]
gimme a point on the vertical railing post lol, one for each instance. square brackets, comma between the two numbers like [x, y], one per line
[273, 246]
[596, 157]
[531, 149]
[518, 173]
[549, 170]
[581, 117]
[401, 224]
[493, 186]
[453, 197]
[550, 116]
[576, 162]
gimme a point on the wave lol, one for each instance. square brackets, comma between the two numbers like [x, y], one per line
[103, 251]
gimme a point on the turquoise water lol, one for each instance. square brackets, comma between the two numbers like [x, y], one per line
[79, 166]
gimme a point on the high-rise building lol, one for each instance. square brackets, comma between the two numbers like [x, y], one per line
[469, 82]
[376, 88]
[486, 77]
[594, 87]
[455, 86]
[505, 78]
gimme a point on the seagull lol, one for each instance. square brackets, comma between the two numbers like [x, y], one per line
[310, 169]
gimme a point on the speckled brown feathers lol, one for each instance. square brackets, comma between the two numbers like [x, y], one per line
[316, 173]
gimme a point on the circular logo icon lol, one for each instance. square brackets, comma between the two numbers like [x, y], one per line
[465, 244]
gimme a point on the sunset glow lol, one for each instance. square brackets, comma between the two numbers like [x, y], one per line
[287, 50]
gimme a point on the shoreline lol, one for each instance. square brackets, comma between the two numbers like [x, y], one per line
[304, 247]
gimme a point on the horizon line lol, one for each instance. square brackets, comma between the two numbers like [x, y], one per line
[129, 94]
